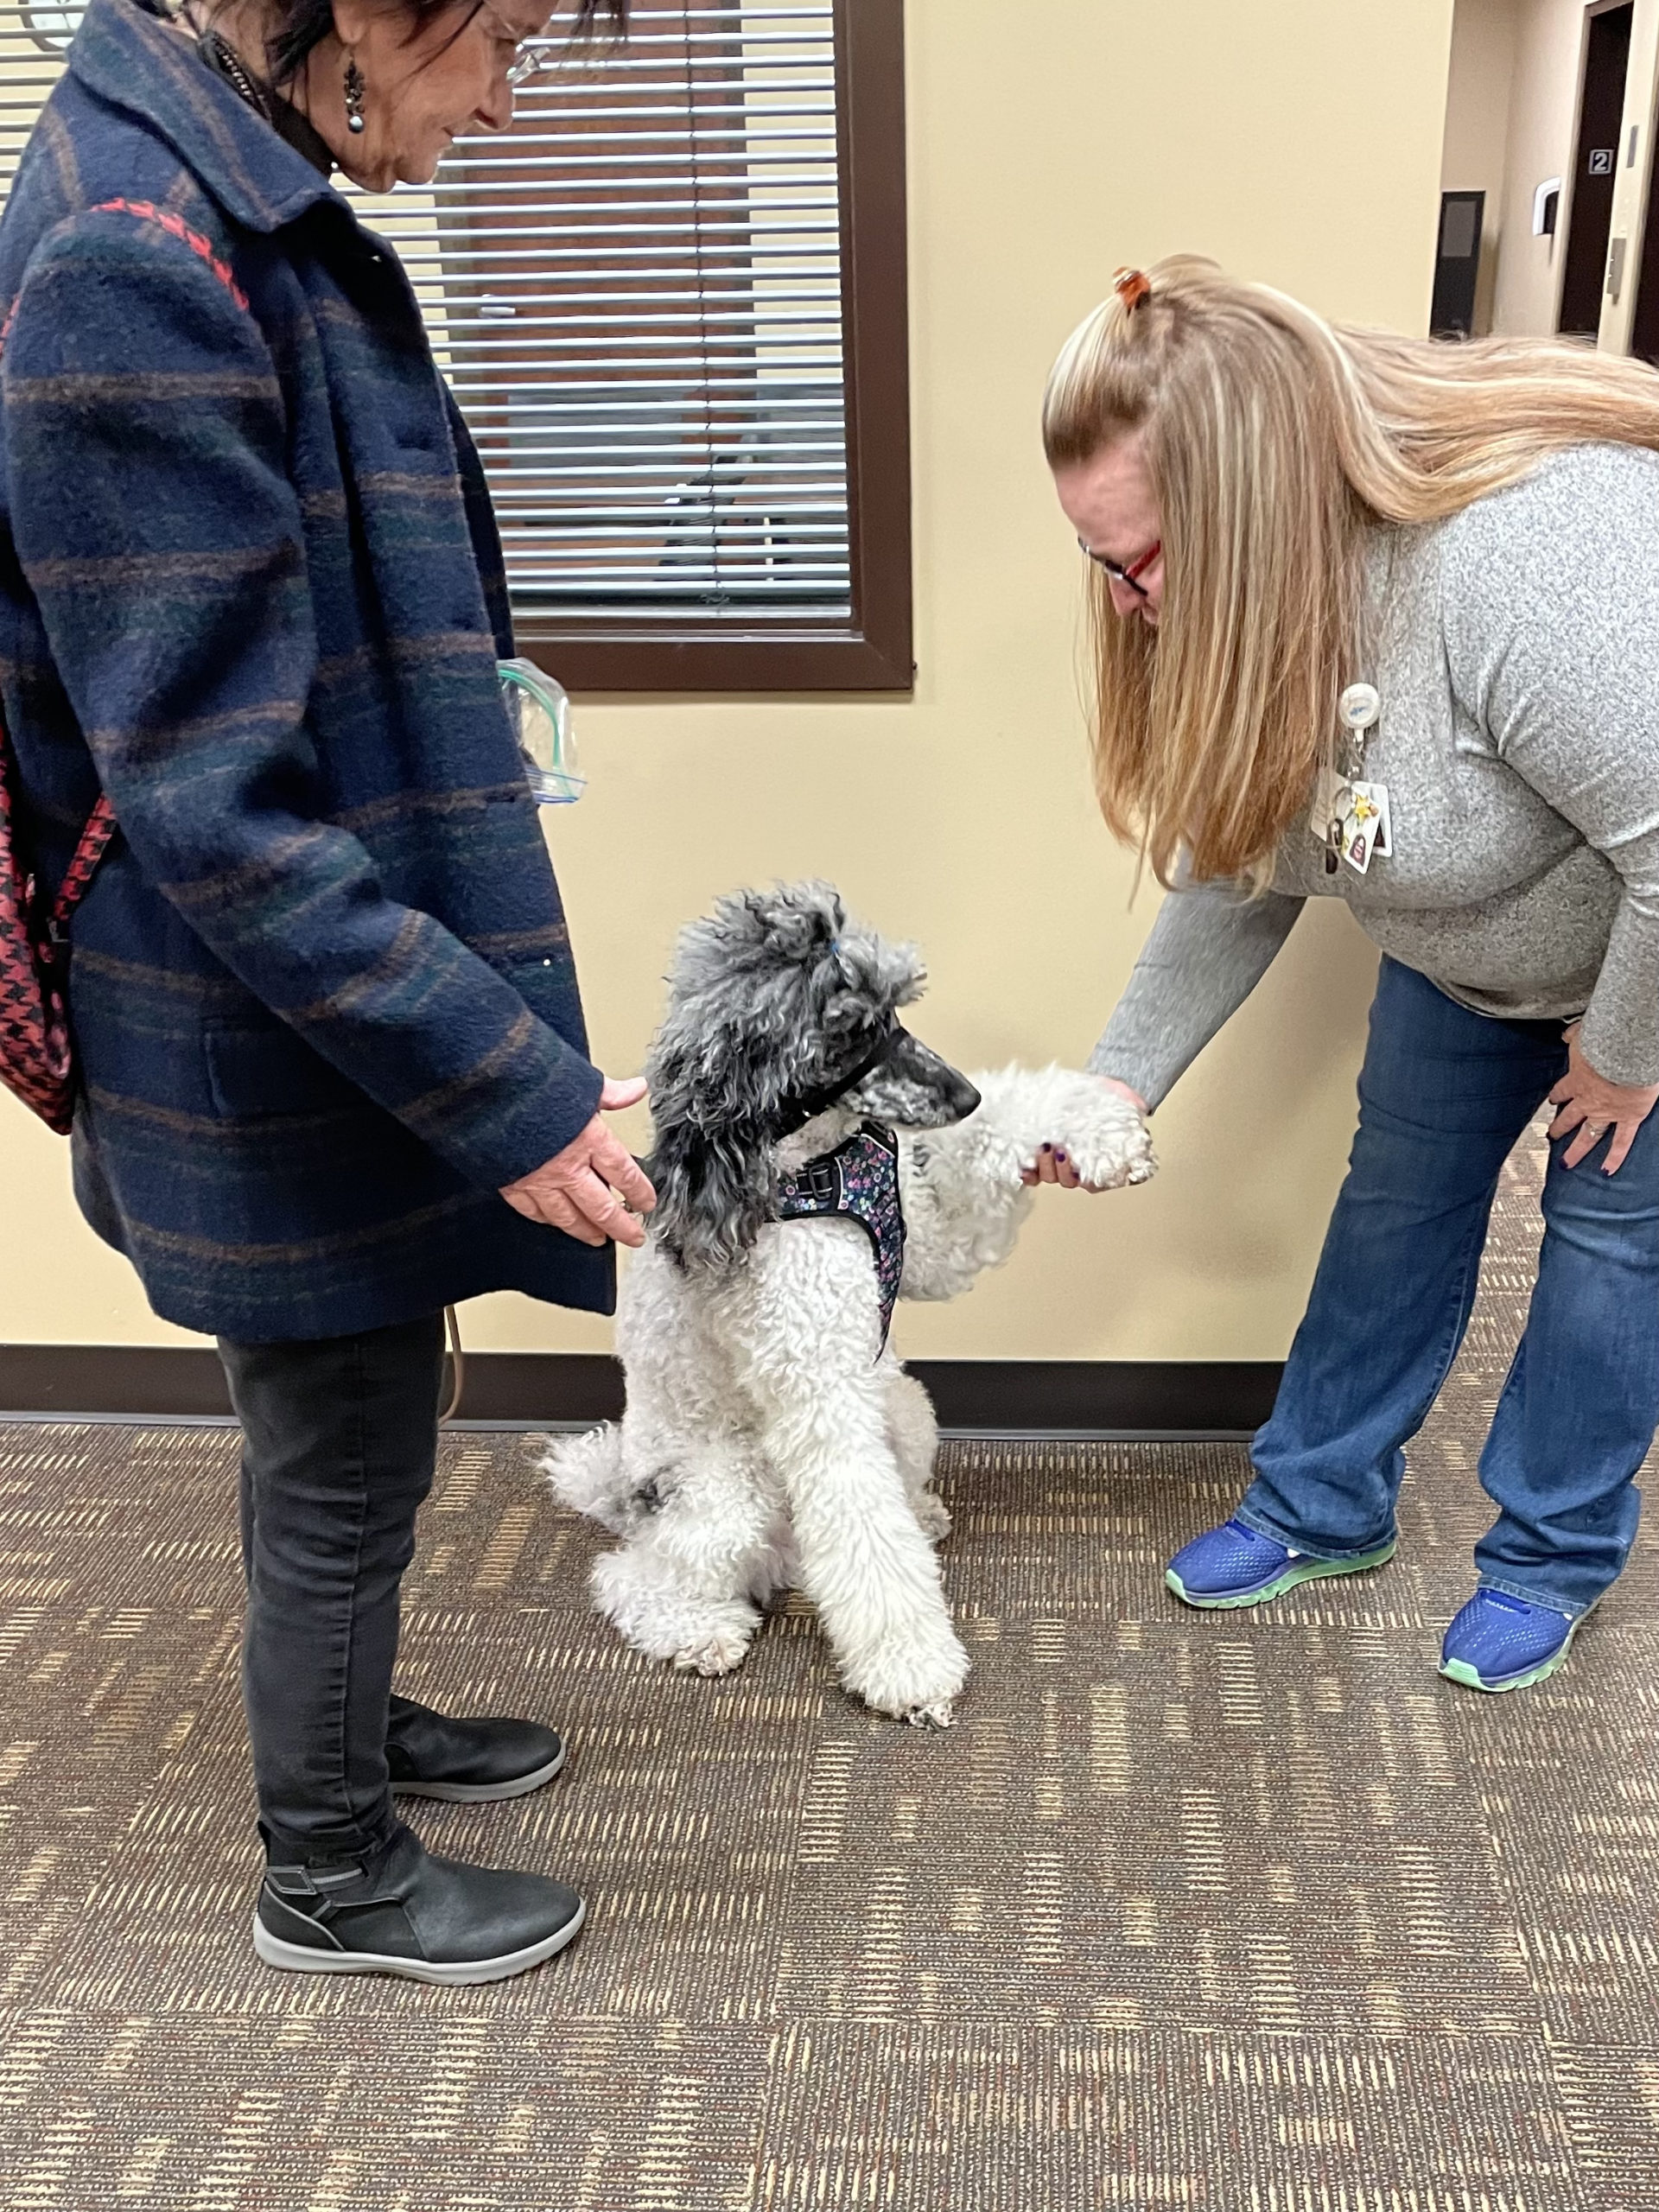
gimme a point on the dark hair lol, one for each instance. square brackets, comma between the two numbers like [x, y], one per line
[303, 24]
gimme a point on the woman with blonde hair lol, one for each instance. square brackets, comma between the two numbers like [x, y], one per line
[1377, 619]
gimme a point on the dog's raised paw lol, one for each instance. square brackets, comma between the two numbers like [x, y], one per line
[1109, 1167]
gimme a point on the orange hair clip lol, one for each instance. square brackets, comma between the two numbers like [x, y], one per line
[1132, 286]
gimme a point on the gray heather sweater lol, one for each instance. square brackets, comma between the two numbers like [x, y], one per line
[1517, 659]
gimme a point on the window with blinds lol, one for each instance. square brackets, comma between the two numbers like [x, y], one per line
[642, 283]
[33, 42]
[671, 301]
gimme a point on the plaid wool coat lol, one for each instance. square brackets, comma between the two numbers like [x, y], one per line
[250, 582]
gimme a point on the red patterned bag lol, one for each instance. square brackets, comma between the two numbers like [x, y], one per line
[36, 1056]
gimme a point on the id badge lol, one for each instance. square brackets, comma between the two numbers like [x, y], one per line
[1361, 825]
[1377, 795]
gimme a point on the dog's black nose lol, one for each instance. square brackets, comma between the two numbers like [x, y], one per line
[964, 1096]
[950, 1097]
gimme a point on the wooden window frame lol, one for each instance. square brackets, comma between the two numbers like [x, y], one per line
[871, 650]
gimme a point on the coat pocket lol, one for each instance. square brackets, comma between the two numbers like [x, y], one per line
[263, 1073]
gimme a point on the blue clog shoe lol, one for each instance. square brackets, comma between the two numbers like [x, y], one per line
[1501, 1643]
[1233, 1565]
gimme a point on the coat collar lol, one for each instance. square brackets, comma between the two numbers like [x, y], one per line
[133, 61]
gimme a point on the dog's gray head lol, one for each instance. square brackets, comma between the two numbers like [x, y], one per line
[778, 1004]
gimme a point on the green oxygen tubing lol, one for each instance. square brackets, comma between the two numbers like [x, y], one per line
[540, 714]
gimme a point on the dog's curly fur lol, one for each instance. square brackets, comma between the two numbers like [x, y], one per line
[769, 1440]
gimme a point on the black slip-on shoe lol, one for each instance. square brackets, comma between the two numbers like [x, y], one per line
[405, 1912]
[467, 1761]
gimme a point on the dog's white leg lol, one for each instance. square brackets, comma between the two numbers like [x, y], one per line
[585, 1471]
[865, 1561]
[915, 1433]
[685, 1585]
[647, 1599]
[821, 1400]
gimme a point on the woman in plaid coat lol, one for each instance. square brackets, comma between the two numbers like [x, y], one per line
[335, 1071]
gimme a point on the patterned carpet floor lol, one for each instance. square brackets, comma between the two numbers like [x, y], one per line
[1246, 1914]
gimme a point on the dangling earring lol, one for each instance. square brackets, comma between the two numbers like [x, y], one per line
[355, 89]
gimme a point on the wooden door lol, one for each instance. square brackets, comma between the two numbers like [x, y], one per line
[1595, 171]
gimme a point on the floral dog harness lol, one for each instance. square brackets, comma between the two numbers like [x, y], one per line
[859, 1179]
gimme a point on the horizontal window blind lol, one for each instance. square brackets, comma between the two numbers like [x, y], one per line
[33, 42]
[637, 294]
[641, 295]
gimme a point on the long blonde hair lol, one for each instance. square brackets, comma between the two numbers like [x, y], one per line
[1274, 439]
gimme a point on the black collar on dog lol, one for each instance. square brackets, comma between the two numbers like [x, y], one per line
[797, 1107]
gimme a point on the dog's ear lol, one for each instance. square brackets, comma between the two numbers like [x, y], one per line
[716, 1077]
[713, 1193]
[760, 989]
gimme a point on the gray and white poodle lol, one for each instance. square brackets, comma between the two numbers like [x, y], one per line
[813, 1160]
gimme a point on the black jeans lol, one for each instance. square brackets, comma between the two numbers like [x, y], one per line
[340, 1439]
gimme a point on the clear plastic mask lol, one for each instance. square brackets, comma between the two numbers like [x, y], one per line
[540, 714]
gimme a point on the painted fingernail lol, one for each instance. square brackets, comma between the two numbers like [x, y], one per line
[1060, 1156]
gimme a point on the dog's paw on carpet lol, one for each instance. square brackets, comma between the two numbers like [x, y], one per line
[722, 1653]
[932, 1517]
[914, 1678]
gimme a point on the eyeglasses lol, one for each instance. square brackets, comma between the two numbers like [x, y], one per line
[530, 56]
[1130, 575]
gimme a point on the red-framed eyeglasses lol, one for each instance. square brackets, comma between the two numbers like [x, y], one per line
[1130, 575]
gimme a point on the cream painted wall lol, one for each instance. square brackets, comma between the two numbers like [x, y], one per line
[1296, 141]
[1476, 146]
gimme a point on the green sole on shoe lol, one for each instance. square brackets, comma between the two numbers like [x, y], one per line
[1306, 1570]
[1460, 1670]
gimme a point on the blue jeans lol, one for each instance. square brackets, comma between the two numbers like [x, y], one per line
[1444, 1096]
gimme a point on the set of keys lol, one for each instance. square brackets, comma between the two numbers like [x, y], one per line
[1350, 816]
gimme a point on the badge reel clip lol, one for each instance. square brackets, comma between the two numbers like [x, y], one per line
[540, 714]
[1352, 817]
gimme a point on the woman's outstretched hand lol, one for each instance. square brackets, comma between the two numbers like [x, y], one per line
[587, 1189]
[1054, 1167]
[1586, 1101]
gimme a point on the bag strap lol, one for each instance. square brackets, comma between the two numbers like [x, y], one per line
[100, 823]
[100, 828]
